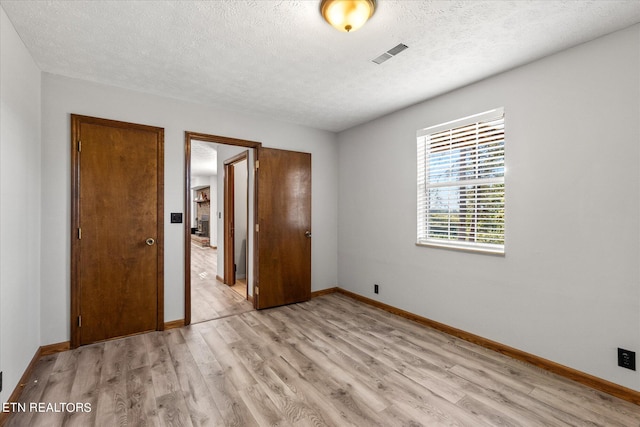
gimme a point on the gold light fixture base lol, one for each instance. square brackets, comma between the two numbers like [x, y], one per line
[347, 15]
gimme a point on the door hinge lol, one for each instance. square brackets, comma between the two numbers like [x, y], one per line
[79, 146]
[257, 290]
[79, 321]
[257, 164]
[79, 233]
[257, 228]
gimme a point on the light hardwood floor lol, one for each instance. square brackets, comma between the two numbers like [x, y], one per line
[330, 361]
[211, 299]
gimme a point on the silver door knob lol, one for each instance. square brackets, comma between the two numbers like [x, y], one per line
[307, 234]
[150, 241]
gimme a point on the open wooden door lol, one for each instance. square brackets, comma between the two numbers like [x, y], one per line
[117, 229]
[283, 187]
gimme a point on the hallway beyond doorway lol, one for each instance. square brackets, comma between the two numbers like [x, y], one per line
[210, 298]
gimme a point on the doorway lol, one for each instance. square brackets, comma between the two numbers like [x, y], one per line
[279, 237]
[236, 221]
[209, 288]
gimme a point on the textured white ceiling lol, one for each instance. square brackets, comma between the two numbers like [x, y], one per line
[204, 158]
[279, 59]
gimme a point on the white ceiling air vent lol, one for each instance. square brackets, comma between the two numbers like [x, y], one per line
[390, 53]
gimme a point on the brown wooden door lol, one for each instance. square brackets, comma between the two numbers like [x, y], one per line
[117, 236]
[284, 227]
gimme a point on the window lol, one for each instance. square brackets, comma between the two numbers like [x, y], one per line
[461, 183]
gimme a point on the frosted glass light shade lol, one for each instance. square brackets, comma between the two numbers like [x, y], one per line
[347, 15]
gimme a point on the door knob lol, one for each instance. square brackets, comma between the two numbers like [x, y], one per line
[150, 241]
[307, 234]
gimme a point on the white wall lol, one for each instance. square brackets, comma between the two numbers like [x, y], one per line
[240, 176]
[20, 120]
[63, 96]
[213, 214]
[568, 288]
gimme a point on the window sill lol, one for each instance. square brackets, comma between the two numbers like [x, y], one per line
[469, 249]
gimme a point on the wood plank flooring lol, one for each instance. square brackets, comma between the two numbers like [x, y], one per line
[210, 298]
[329, 361]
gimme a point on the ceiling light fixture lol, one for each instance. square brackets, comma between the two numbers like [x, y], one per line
[347, 15]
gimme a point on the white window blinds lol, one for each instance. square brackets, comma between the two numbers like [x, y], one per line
[461, 183]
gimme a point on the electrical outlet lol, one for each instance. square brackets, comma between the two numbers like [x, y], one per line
[176, 217]
[627, 359]
[375, 289]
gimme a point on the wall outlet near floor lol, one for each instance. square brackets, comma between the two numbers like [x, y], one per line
[375, 289]
[627, 359]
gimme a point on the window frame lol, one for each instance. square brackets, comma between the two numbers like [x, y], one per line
[460, 183]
